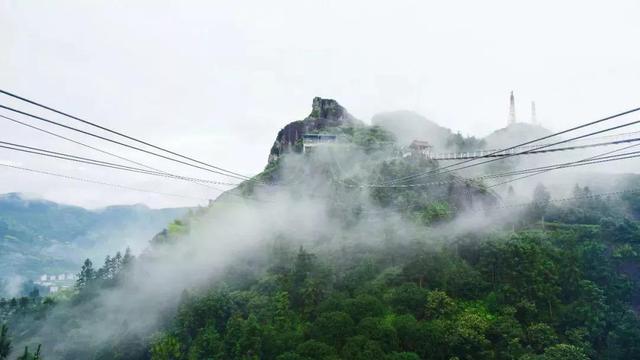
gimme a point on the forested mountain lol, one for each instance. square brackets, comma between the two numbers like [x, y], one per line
[318, 257]
[39, 236]
[407, 126]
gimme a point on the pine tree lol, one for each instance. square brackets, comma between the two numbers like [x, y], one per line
[117, 264]
[5, 343]
[303, 266]
[29, 356]
[107, 268]
[540, 203]
[127, 259]
[36, 356]
[87, 274]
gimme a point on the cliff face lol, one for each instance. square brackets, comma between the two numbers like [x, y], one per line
[325, 113]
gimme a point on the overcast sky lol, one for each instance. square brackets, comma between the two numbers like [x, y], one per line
[218, 79]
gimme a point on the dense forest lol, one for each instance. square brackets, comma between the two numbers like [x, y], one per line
[563, 290]
[442, 274]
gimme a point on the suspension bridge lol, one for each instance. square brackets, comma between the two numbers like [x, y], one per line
[530, 149]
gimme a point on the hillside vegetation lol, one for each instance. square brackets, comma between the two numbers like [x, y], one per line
[39, 236]
[308, 261]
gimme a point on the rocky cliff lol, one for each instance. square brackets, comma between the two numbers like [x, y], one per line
[325, 113]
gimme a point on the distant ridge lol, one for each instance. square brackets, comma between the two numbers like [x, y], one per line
[515, 133]
[39, 235]
[408, 126]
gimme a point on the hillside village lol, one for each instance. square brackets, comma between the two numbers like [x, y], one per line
[54, 283]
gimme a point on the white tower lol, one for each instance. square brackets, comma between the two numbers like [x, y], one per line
[534, 117]
[512, 109]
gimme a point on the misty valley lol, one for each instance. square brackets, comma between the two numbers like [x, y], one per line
[356, 241]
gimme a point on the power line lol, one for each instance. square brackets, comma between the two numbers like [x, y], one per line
[74, 157]
[97, 182]
[80, 159]
[508, 206]
[433, 173]
[578, 163]
[588, 161]
[544, 146]
[462, 155]
[614, 193]
[439, 171]
[509, 173]
[57, 155]
[544, 151]
[630, 155]
[121, 143]
[523, 144]
[77, 142]
[119, 133]
[95, 148]
[488, 176]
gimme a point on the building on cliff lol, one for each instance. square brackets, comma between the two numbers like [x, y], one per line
[312, 140]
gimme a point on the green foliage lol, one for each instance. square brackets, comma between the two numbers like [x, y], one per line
[361, 348]
[540, 203]
[372, 138]
[166, 348]
[27, 355]
[177, 227]
[333, 328]
[435, 212]
[31, 228]
[540, 336]
[565, 291]
[564, 352]
[438, 305]
[494, 298]
[402, 356]
[86, 275]
[207, 344]
[363, 306]
[460, 143]
[316, 350]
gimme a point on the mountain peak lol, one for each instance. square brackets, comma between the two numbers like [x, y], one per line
[325, 113]
[327, 109]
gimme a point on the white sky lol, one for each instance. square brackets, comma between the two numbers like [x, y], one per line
[218, 79]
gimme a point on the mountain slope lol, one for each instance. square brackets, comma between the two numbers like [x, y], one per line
[39, 236]
[316, 264]
[514, 134]
[407, 126]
